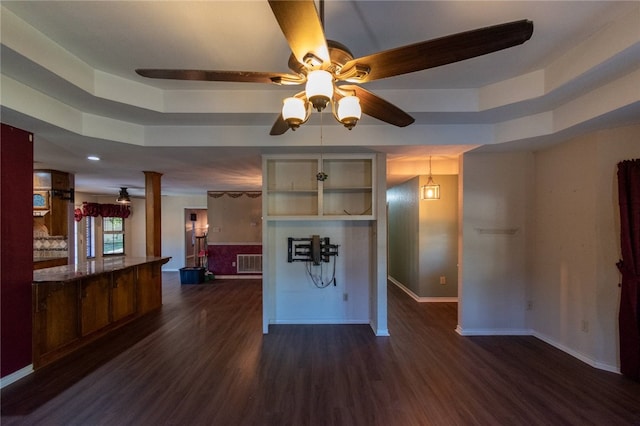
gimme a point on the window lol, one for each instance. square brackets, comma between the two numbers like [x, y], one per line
[90, 237]
[112, 235]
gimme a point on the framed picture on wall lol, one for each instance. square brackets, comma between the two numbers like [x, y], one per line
[40, 200]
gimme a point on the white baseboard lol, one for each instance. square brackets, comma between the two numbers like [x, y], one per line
[318, 321]
[576, 354]
[421, 299]
[230, 277]
[528, 332]
[238, 277]
[493, 332]
[16, 375]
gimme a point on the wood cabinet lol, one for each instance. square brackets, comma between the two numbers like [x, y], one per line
[149, 296]
[58, 218]
[293, 190]
[123, 293]
[56, 214]
[55, 315]
[95, 303]
[76, 304]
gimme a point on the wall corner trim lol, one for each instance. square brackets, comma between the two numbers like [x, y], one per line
[380, 332]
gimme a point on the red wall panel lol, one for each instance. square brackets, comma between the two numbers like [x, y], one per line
[16, 248]
[221, 257]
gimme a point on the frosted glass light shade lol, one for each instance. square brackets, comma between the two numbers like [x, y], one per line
[319, 88]
[349, 111]
[293, 108]
[294, 112]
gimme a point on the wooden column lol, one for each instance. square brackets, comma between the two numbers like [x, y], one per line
[152, 210]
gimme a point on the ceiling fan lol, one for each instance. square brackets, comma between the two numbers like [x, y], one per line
[332, 74]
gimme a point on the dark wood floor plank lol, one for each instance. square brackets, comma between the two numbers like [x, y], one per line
[203, 360]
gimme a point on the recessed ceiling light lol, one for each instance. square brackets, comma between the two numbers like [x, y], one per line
[93, 158]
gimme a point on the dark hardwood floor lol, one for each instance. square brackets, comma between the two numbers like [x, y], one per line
[203, 360]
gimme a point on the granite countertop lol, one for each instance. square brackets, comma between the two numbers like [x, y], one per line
[90, 267]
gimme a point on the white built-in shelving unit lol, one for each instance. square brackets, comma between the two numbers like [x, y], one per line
[349, 206]
[293, 191]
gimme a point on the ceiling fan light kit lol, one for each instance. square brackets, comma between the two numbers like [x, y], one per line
[333, 76]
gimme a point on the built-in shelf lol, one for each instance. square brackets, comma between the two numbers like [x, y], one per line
[292, 189]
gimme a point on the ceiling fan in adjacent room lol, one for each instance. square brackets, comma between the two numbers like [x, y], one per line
[331, 74]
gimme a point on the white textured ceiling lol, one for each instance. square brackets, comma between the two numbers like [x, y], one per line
[68, 76]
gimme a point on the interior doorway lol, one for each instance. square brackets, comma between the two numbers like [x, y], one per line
[195, 237]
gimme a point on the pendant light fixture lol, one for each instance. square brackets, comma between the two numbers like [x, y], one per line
[123, 197]
[430, 191]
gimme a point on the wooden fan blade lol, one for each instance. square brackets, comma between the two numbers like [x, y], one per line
[279, 127]
[302, 28]
[233, 76]
[441, 51]
[377, 107]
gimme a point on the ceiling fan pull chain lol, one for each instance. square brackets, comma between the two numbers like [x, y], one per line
[321, 138]
[321, 114]
[321, 176]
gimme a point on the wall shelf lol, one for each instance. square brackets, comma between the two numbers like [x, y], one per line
[293, 192]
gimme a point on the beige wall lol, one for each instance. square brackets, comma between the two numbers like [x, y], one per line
[423, 238]
[555, 276]
[235, 220]
[497, 192]
[404, 228]
[574, 289]
[174, 225]
[438, 240]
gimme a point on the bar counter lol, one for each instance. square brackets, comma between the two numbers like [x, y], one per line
[65, 273]
[74, 305]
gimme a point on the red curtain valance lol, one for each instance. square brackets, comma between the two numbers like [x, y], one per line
[104, 210]
[234, 194]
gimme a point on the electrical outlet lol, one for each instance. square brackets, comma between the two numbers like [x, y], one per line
[443, 280]
[233, 263]
[529, 305]
[345, 296]
[585, 326]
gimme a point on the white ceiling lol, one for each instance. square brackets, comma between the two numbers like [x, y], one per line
[68, 76]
